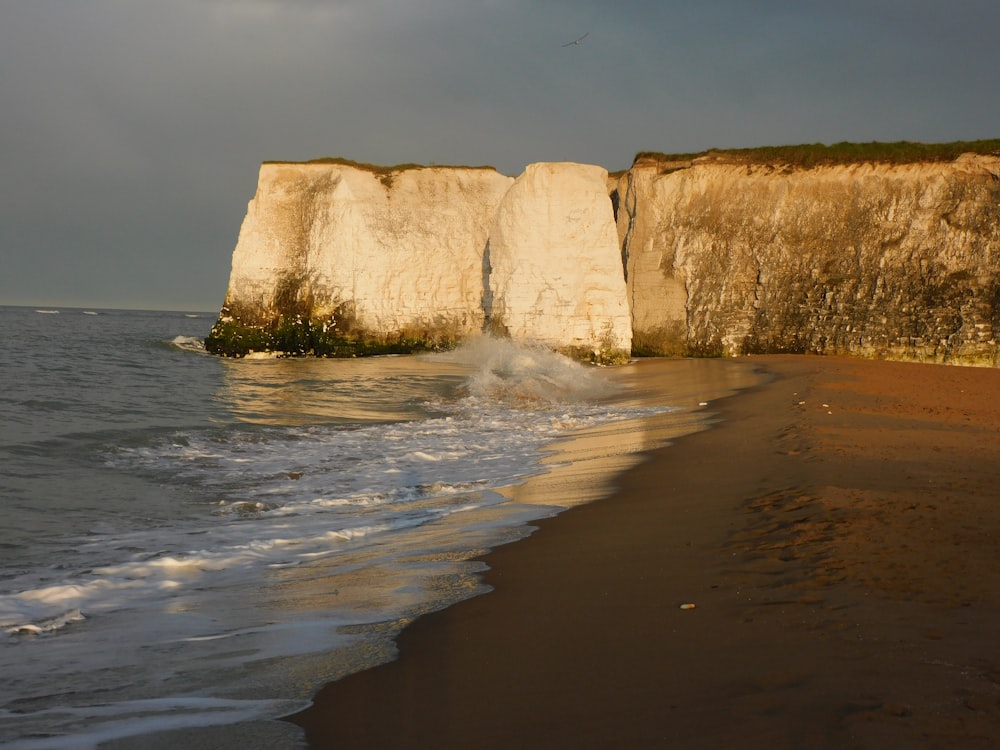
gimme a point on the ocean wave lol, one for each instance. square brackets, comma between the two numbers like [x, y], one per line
[188, 344]
[48, 625]
[518, 373]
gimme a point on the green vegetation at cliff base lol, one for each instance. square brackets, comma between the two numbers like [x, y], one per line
[295, 336]
[300, 337]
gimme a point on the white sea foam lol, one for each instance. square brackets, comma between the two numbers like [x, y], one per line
[525, 373]
[48, 625]
[398, 476]
[112, 721]
[263, 355]
[189, 343]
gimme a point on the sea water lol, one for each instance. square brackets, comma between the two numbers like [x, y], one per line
[190, 541]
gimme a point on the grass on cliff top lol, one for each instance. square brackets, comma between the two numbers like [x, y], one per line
[818, 154]
[377, 168]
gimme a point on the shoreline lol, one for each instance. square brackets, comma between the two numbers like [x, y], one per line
[838, 533]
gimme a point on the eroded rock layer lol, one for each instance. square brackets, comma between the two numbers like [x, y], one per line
[888, 261]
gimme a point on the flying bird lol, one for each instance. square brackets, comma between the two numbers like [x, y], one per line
[576, 41]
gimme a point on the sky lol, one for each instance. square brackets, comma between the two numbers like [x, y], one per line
[132, 131]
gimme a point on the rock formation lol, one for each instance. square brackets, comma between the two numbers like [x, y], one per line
[876, 260]
[338, 259]
[555, 270]
[714, 255]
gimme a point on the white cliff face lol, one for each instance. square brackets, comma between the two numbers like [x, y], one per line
[722, 258]
[894, 261]
[396, 253]
[556, 273]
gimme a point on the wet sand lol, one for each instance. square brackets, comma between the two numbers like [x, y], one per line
[838, 533]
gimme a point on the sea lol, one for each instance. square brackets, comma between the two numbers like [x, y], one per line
[192, 546]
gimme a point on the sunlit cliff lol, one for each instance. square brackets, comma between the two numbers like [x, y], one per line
[711, 255]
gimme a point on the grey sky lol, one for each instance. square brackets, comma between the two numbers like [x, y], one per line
[132, 130]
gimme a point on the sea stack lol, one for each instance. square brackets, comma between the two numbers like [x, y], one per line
[555, 267]
[341, 259]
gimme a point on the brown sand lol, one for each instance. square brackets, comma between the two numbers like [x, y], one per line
[839, 534]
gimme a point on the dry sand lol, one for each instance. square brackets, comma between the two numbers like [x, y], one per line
[839, 535]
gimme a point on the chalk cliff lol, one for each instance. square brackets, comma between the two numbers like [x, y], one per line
[340, 259]
[713, 255]
[876, 260]
[555, 269]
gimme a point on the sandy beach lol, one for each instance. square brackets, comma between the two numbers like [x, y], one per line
[838, 535]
